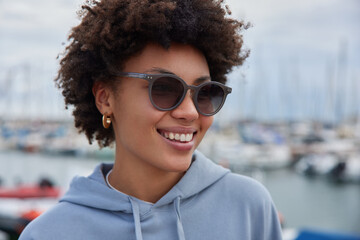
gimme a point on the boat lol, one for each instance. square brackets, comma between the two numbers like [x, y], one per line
[344, 169]
[14, 225]
[316, 164]
[44, 189]
[314, 234]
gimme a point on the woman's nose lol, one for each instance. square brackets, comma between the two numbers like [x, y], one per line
[186, 110]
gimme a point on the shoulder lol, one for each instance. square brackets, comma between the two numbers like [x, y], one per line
[244, 184]
[244, 202]
[250, 198]
[52, 224]
[244, 189]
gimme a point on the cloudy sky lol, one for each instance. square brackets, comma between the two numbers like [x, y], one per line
[305, 57]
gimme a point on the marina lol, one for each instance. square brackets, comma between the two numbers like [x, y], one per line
[324, 198]
[292, 121]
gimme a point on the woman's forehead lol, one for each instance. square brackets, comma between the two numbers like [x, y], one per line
[179, 59]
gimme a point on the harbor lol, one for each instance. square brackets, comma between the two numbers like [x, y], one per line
[291, 122]
[325, 198]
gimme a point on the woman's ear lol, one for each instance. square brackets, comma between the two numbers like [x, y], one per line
[102, 96]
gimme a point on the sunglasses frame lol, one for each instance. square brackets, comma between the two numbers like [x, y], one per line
[151, 78]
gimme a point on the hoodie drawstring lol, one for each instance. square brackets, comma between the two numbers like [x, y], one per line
[136, 214]
[180, 229]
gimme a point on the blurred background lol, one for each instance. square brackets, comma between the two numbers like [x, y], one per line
[292, 121]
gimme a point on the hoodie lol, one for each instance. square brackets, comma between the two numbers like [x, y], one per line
[209, 202]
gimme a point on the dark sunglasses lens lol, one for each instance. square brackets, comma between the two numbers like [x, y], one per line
[166, 92]
[210, 98]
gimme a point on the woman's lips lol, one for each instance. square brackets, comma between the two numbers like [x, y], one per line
[179, 140]
[179, 137]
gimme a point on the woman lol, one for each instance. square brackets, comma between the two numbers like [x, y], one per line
[148, 76]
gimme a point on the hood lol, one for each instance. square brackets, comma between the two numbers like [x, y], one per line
[92, 191]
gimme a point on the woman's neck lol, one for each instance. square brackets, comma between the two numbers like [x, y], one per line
[142, 181]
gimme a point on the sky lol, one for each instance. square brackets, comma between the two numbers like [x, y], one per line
[304, 61]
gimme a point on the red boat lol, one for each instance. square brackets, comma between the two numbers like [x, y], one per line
[14, 225]
[44, 189]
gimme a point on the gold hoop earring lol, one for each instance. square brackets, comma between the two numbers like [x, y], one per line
[106, 121]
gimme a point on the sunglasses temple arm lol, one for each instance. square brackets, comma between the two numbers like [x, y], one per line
[134, 75]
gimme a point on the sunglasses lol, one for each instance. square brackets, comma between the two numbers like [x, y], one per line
[167, 91]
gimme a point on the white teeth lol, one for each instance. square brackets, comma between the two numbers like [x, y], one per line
[177, 136]
[188, 137]
[182, 137]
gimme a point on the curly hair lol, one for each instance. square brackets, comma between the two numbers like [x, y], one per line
[111, 31]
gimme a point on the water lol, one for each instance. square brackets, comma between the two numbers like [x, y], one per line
[311, 203]
[19, 167]
[314, 203]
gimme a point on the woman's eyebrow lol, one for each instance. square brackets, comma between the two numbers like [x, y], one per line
[202, 79]
[159, 70]
[197, 81]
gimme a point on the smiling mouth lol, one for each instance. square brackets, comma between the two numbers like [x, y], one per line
[177, 137]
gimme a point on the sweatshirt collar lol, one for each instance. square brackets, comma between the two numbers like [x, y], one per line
[93, 191]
